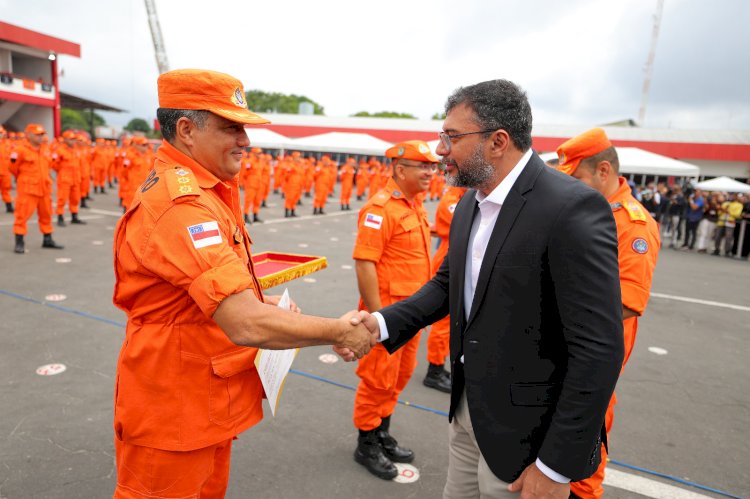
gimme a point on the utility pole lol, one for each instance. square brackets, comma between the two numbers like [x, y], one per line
[159, 50]
[649, 69]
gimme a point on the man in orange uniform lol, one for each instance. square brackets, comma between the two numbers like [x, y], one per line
[392, 256]
[265, 183]
[438, 342]
[250, 179]
[591, 158]
[292, 187]
[186, 381]
[30, 166]
[346, 175]
[84, 149]
[6, 182]
[136, 168]
[320, 181]
[362, 179]
[67, 163]
[99, 163]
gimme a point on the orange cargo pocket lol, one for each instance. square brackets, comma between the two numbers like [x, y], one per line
[230, 391]
[379, 369]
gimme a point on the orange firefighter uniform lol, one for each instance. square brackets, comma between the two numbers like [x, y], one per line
[394, 233]
[438, 342]
[6, 182]
[31, 166]
[346, 174]
[183, 389]
[638, 249]
[67, 163]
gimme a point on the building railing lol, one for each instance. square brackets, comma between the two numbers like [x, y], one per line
[19, 84]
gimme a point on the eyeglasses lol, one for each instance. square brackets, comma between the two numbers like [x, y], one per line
[424, 167]
[445, 138]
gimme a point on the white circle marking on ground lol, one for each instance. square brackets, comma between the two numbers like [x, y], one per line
[63, 260]
[328, 358]
[97, 243]
[406, 473]
[309, 279]
[271, 229]
[303, 245]
[657, 350]
[110, 227]
[346, 267]
[55, 297]
[334, 239]
[50, 369]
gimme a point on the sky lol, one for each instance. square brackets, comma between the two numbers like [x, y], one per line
[581, 62]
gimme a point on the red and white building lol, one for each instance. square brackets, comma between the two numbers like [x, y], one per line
[29, 90]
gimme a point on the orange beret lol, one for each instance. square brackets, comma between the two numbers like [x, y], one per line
[571, 152]
[35, 128]
[139, 140]
[417, 150]
[69, 134]
[218, 93]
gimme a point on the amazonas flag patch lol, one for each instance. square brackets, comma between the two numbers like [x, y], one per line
[205, 234]
[373, 221]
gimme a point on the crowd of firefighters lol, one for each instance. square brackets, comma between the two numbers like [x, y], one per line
[82, 166]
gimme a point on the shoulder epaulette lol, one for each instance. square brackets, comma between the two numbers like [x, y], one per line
[181, 182]
[381, 198]
[635, 211]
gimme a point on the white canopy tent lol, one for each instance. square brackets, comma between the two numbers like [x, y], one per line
[639, 162]
[723, 184]
[340, 142]
[265, 138]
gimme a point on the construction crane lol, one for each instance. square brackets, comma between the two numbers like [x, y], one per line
[159, 50]
[649, 69]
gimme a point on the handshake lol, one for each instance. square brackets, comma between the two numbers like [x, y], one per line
[360, 333]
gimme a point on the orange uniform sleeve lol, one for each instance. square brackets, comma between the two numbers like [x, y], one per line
[373, 232]
[638, 251]
[205, 266]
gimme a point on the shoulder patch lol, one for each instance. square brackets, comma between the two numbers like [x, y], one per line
[640, 246]
[181, 182]
[205, 234]
[635, 212]
[373, 221]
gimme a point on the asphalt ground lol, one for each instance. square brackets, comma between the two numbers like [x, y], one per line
[683, 411]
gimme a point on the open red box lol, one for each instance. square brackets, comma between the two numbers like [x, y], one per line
[273, 268]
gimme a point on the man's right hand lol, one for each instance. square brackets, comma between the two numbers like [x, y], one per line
[356, 339]
[361, 318]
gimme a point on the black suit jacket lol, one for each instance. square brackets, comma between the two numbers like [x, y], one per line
[543, 342]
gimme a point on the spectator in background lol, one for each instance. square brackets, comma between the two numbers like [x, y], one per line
[664, 196]
[674, 216]
[694, 214]
[729, 212]
[648, 200]
[745, 249]
[707, 227]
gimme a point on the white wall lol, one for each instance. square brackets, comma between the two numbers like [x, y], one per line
[711, 168]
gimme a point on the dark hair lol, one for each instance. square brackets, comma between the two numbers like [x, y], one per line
[168, 119]
[497, 104]
[609, 154]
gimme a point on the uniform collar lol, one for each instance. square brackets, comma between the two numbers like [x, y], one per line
[394, 190]
[169, 153]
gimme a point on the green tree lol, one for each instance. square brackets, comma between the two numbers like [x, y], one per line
[138, 125]
[385, 114]
[438, 116]
[275, 102]
[73, 119]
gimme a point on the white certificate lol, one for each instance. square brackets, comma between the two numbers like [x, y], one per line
[273, 365]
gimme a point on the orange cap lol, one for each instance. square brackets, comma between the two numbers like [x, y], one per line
[69, 134]
[256, 150]
[218, 93]
[571, 152]
[139, 140]
[35, 128]
[417, 150]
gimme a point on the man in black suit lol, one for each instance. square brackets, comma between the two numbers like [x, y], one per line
[531, 283]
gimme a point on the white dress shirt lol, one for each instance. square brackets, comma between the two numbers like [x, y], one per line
[479, 238]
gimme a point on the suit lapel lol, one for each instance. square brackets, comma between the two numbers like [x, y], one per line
[508, 213]
[461, 230]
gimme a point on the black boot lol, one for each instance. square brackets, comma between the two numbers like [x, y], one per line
[83, 203]
[343, 207]
[101, 190]
[370, 454]
[20, 247]
[75, 220]
[307, 194]
[110, 185]
[256, 219]
[9, 208]
[286, 213]
[48, 242]
[437, 378]
[61, 221]
[321, 212]
[315, 211]
[348, 208]
[292, 214]
[247, 219]
[263, 204]
[390, 446]
[359, 198]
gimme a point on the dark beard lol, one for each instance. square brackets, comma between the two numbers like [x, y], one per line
[474, 173]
